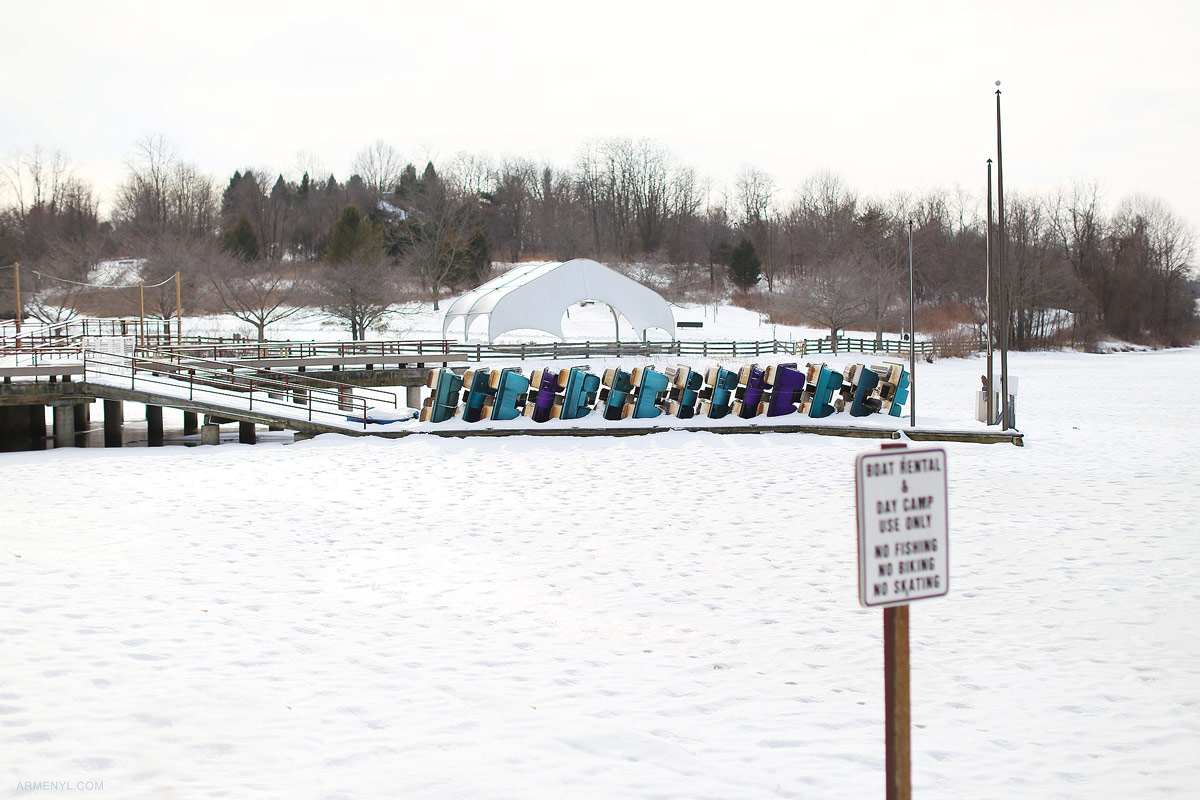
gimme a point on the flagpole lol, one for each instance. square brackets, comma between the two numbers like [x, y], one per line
[1006, 412]
[987, 294]
[912, 336]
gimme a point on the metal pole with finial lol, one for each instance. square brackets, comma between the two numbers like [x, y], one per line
[987, 295]
[1005, 411]
[18, 309]
[912, 335]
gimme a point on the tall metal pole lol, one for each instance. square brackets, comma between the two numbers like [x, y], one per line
[912, 335]
[142, 313]
[1005, 412]
[178, 312]
[987, 294]
[19, 311]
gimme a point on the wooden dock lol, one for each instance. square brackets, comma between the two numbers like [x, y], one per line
[64, 387]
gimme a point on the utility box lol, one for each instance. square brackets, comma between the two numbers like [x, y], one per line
[981, 402]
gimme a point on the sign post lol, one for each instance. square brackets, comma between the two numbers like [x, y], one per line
[896, 706]
[903, 555]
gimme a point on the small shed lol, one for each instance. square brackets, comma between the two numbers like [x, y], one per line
[537, 295]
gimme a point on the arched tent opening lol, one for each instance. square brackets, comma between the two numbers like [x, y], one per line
[595, 320]
[538, 295]
[462, 327]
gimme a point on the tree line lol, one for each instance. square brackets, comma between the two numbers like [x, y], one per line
[260, 244]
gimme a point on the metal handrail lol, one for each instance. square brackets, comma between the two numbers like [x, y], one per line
[222, 348]
[230, 380]
[57, 339]
[704, 349]
[177, 362]
[302, 349]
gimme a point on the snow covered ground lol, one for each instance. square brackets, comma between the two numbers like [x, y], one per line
[672, 616]
[582, 322]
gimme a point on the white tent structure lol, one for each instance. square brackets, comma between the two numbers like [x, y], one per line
[537, 295]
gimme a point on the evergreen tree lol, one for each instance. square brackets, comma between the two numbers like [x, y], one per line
[744, 265]
[475, 262]
[229, 200]
[354, 237]
[408, 184]
[240, 241]
[430, 178]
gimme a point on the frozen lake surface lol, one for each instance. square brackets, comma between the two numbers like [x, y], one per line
[672, 616]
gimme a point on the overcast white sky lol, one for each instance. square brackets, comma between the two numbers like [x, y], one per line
[889, 95]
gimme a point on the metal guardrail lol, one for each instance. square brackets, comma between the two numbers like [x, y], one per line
[44, 355]
[58, 340]
[66, 339]
[703, 349]
[252, 387]
[285, 349]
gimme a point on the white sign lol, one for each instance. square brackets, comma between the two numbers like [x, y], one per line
[903, 526]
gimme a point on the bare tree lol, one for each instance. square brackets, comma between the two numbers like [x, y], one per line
[437, 239]
[55, 284]
[36, 177]
[1080, 230]
[511, 207]
[683, 246]
[835, 297]
[476, 174]
[258, 297]
[754, 190]
[164, 194]
[438, 246]
[144, 198]
[193, 201]
[560, 224]
[1154, 255]
[307, 163]
[590, 191]
[717, 232]
[359, 292]
[165, 254]
[1039, 279]
[379, 165]
[881, 245]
